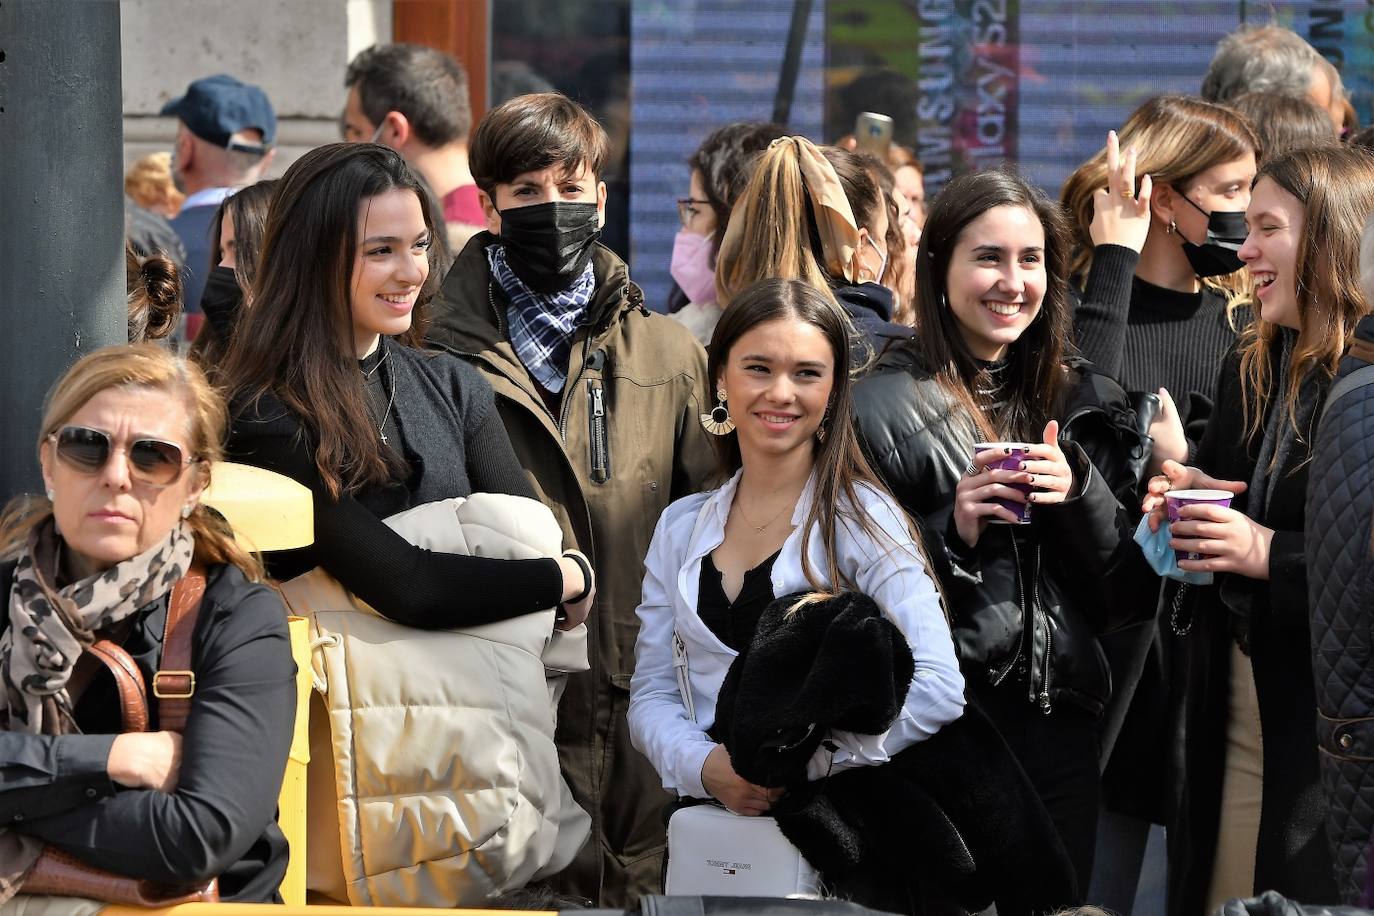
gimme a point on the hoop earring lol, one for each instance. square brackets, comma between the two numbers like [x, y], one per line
[718, 422]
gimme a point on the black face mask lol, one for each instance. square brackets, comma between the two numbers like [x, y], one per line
[548, 245]
[221, 300]
[1225, 234]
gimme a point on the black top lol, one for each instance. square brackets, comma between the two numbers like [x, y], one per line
[220, 820]
[734, 623]
[442, 419]
[1146, 336]
[870, 307]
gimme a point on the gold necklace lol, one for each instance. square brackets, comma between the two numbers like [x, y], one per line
[764, 527]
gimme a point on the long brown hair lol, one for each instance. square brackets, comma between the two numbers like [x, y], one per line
[1178, 138]
[840, 466]
[139, 366]
[296, 341]
[247, 213]
[1037, 376]
[1336, 187]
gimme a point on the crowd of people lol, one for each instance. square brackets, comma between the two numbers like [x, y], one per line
[1053, 483]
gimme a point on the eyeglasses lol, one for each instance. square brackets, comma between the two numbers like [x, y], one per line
[152, 462]
[686, 209]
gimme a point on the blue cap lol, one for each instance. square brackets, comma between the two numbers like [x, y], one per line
[216, 107]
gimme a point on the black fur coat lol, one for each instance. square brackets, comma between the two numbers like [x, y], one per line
[953, 816]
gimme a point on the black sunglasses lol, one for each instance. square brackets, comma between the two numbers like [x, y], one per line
[152, 462]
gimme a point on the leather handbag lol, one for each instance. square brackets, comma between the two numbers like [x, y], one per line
[59, 874]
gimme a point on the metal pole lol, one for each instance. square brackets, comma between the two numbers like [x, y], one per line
[62, 287]
[791, 62]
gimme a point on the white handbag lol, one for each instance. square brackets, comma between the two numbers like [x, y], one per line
[714, 852]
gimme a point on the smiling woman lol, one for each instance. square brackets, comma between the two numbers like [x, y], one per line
[1022, 534]
[1243, 653]
[327, 389]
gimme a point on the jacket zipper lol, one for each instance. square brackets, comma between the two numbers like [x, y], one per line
[1043, 619]
[600, 441]
[1001, 675]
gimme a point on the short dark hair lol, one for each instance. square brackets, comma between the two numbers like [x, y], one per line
[533, 132]
[427, 86]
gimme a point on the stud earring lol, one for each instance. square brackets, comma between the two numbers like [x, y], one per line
[718, 422]
[186, 510]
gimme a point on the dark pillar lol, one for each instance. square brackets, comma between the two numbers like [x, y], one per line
[61, 208]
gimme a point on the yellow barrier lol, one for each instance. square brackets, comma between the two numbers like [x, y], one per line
[291, 810]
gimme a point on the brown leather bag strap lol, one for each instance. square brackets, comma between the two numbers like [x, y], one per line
[133, 692]
[175, 683]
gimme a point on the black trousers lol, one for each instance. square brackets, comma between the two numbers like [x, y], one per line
[1059, 753]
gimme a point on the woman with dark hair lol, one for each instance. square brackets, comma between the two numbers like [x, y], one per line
[800, 510]
[1250, 811]
[235, 243]
[327, 388]
[815, 214]
[719, 170]
[1021, 531]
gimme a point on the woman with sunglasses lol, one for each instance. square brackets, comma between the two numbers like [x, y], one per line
[814, 213]
[127, 438]
[328, 388]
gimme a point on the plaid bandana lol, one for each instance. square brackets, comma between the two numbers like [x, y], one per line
[542, 326]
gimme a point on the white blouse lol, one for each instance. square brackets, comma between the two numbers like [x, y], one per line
[890, 571]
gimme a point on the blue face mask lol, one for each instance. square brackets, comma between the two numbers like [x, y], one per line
[1161, 557]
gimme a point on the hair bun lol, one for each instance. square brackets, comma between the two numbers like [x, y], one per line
[162, 282]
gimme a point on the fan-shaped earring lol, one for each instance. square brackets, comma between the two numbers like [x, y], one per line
[50, 494]
[718, 422]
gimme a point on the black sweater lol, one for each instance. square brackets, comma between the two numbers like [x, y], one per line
[442, 419]
[1146, 336]
[219, 821]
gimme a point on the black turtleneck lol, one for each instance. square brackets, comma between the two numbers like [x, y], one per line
[1146, 336]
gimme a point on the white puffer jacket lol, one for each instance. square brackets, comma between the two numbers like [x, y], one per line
[444, 787]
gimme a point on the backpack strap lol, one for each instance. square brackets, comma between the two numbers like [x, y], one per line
[1355, 380]
[174, 683]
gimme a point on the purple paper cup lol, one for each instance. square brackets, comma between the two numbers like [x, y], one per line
[1175, 500]
[1011, 462]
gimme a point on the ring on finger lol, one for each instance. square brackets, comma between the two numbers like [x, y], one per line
[1127, 194]
[972, 471]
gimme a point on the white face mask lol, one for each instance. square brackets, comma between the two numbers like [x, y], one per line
[882, 264]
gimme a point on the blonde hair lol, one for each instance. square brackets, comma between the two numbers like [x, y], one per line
[149, 182]
[774, 241]
[1178, 137]
[1336, 187]
[139, 366]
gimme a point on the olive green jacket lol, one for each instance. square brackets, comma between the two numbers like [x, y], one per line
[607, 456]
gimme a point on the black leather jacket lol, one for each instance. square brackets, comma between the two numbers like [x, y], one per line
[1027, 601]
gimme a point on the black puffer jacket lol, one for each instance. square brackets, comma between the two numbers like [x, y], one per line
[1340, 577]
[1053, 568]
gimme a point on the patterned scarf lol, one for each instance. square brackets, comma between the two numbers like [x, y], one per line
[49, 628]
[542, 325]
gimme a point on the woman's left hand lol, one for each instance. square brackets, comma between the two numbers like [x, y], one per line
[1051, 475]
[1230, 541]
